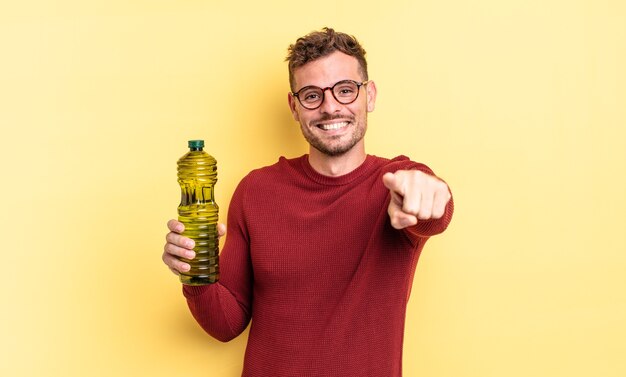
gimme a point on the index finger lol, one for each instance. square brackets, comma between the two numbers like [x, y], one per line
[393, 182]
[175, 226]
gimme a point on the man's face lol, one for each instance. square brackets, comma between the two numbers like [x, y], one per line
[333, 128]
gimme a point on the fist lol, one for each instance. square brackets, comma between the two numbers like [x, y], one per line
[415, 196]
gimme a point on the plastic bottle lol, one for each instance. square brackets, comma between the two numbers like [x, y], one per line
[197, 175]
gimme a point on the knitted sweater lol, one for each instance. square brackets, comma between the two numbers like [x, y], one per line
[314, 262]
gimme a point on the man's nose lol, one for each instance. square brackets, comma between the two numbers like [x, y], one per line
[329, 103]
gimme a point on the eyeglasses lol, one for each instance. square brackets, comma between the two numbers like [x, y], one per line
[345, 92]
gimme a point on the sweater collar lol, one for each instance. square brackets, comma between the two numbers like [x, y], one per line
[360, 171]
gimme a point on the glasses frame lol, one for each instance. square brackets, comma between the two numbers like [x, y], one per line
[332, 91]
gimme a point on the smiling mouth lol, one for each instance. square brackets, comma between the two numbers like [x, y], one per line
[332, 126]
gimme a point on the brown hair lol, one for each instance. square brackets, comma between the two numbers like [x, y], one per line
[318, 44]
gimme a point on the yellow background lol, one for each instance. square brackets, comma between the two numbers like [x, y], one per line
[520, 105]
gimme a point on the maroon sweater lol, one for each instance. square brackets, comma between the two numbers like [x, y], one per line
[314, 262]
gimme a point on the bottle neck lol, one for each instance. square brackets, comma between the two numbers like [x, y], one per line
[195, 149]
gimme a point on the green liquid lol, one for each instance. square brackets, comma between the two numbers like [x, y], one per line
[197, 175]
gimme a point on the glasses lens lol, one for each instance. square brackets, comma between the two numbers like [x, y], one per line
[310, 97]
[346, 91]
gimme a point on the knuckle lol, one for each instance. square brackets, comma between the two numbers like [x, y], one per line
[166, 250]
[443, 188]
[175, 226]
[437, 215]
[175, 240]
[171, 251]
[411, 209]
[171, 224]
[168, 246]
[395, 219]
[424, 215]
[168, 260]
[419, 176]
[396, 224]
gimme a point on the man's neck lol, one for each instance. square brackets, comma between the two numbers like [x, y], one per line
[335, 166]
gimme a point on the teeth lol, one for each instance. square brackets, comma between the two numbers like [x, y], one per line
[333, 126]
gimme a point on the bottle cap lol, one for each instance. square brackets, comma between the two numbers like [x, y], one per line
[196, 144]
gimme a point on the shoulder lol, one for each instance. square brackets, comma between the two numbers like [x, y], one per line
[273, 174]
[401, 162]
[275, 170]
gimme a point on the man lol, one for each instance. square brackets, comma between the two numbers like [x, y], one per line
[321, 249]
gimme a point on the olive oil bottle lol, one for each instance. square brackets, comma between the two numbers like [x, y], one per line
[197, 175]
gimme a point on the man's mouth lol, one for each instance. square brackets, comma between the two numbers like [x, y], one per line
[332, 126]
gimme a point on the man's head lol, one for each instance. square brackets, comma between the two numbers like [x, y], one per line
[322, 43]
[332, 113]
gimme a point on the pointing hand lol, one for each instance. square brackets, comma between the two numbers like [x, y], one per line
[415, 196]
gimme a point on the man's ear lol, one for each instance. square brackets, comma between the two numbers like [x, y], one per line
[292, 106]
[371, 96]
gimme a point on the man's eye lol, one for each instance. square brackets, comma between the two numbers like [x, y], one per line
[345, 91]
[310, 97]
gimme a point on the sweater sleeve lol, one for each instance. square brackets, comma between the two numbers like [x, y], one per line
[224, 309]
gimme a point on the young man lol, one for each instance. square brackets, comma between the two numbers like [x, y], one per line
[321, 249]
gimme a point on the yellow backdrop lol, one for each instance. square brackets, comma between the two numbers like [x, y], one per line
[518, 104]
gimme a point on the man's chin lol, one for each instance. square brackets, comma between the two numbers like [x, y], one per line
[334, 150]
[336, 147]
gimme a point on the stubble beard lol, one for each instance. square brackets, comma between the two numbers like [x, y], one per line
[333, 149]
